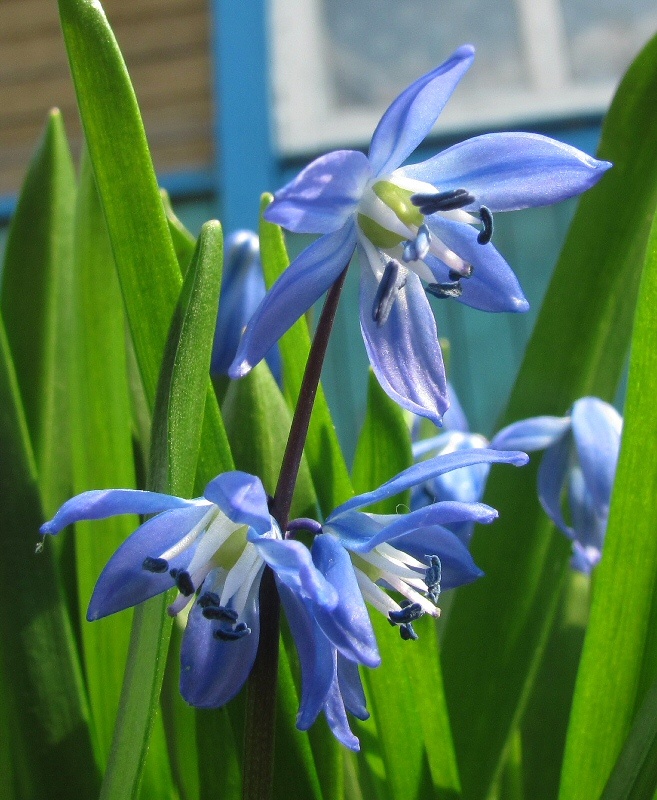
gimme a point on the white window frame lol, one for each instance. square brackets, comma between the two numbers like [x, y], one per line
[308, 119]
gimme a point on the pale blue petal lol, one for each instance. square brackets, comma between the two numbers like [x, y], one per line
[535, 433]
[348, 626]
[242, 498]
[431, 445]
[404, 351]
[493, 285]
[324, 195]
[336, 717]
[303, 282]
[589, 521]
[551, 478]
[597, 430]
[293, 565]
[123, 582]
[431, 468]
[584, 558]
[102, 503]
[455, 418]
[410, 118]
[213, 671]
[457, 564]
[507, 171]
[362, 532]
[316, 656]
[351, 688]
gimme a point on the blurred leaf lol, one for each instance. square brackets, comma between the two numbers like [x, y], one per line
[36, 308]
[102, 445]
[183, 241]
[258, 423]
[325, 459]
[499, 626]
[177, 421]
[609, 686]
[406, 691]
[49, 715]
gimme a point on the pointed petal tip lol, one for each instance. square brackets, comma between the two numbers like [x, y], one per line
[49, 528]
[238, 369]
[464, 51]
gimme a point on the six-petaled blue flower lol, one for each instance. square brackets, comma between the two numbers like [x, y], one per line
[579, 464]
[411, 225]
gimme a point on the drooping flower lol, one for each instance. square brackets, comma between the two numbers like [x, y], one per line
[364, 556]
[577, 470]
[242, 290]
[412, 225]
[214, 550]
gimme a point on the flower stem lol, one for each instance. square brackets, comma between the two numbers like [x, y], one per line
[261, 691]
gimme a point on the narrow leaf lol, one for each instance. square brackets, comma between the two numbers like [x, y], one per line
[183, 241]
[499, 626]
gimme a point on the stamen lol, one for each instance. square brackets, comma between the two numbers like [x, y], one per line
[416, 249]
[467, 273]
[386, 292]
[407, 633]
[305, 524]
[408, 613]
[189, 538]
[232, 634]
[487, 221]
[209, 599]
[442, 201]
[432, 578]
[183, 581]
[220, 612]
[155, 564]
[445, 290]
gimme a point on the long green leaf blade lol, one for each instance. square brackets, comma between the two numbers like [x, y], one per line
[623, 614]
[35, 305]
[498, 627]
[48, 708]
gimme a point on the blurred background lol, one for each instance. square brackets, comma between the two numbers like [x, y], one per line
[237, 96]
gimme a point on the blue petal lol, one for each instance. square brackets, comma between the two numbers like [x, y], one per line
[303, 282]
[584, 558]
[213, 671]
[589, 522]
[551, 479]
[324, 195]
[412, 115]
[102, 503]
[455, 418]
[457, 565]
[351, 688]
[597, 431]
[363, 532]
[242, 498]
[337, 718]
[507, 171]
[348, 626]
[532, 434]
[425, 470]
[123, 582]
[493, 285]
[404, 351]
[293, 565]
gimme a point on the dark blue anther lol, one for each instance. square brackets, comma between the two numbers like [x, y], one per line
[232, 634]
[209, 599]
[155, 564]
[305, 524]
[432, 578]
[220, 612]
[468, 269]
[183, 581]
[407, 633]
[487, 221]
[407, 614]
[386, 292]
[442, 201]
[445, 290]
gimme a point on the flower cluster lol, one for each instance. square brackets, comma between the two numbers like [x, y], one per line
[214, 550]
[420, 228]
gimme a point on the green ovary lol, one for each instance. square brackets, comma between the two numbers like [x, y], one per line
[398, 200]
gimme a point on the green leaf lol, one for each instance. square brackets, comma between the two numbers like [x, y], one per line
[36, 308]
[499, 626]
[258, 423]
[49, 715]
[325, 459]
[406, 691]
[616, 662]
[183, 241]
[177, 425]
[102, 445]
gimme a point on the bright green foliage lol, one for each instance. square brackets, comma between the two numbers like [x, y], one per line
[618, 660]
[499, 626]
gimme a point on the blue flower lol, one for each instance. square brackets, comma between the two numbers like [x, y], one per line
[214, 550]
[410, 225]
[362, 555]
[579, 465]
[242, 290]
